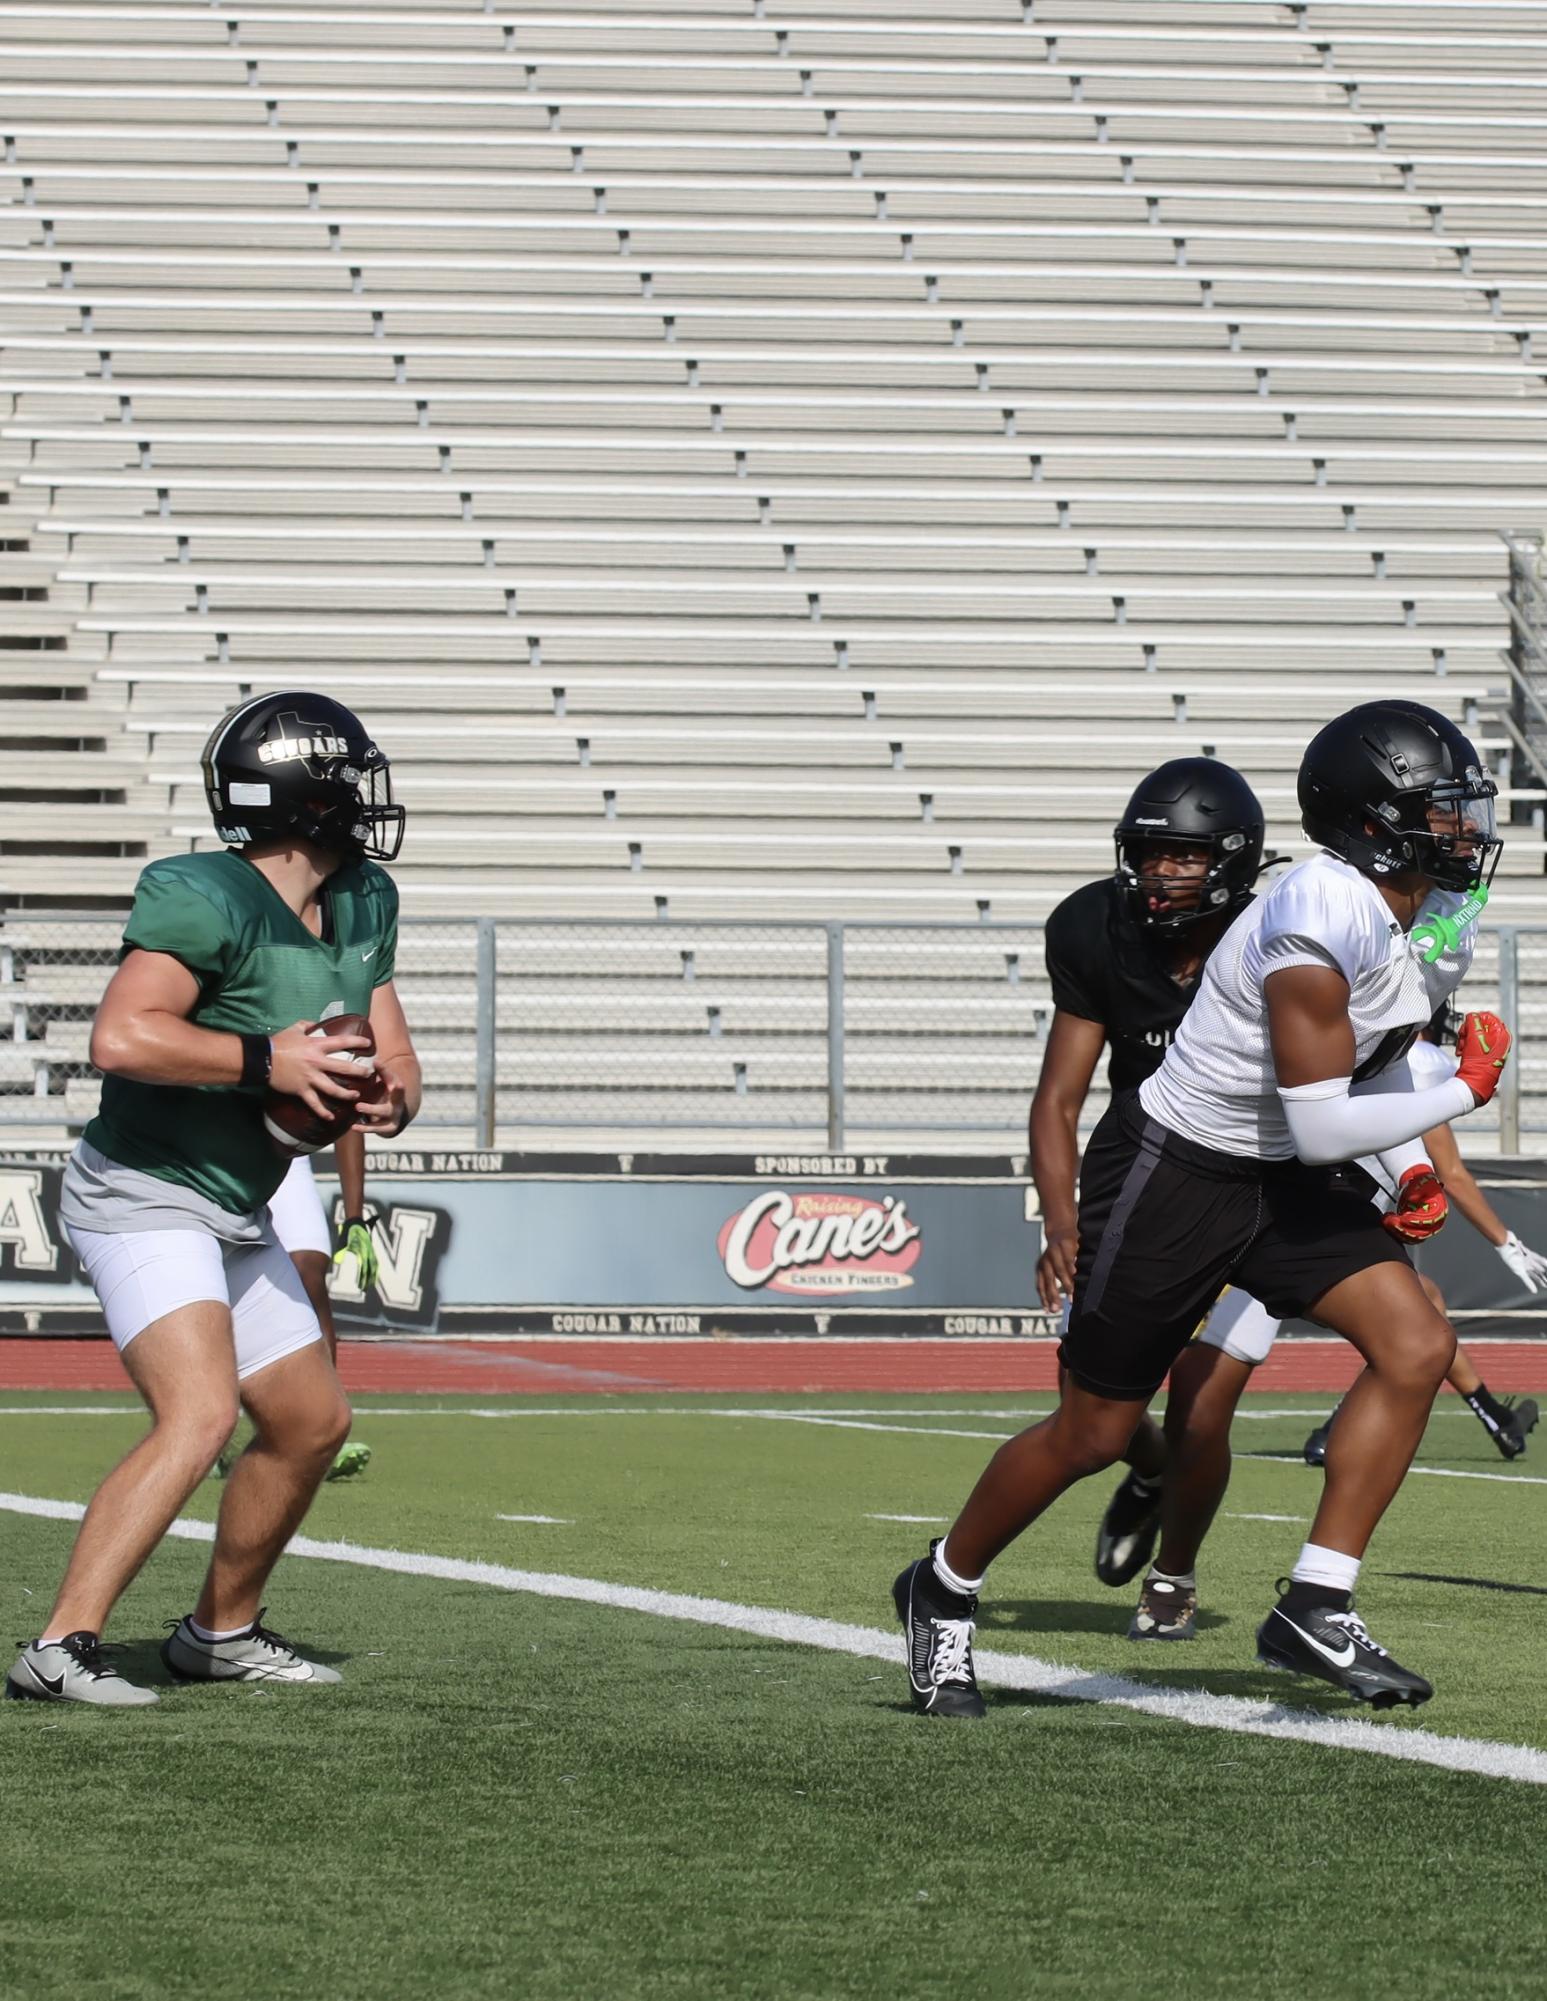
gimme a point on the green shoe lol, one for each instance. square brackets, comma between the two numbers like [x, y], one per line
[352, 1459]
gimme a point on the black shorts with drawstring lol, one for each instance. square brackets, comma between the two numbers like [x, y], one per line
[1166, 1224]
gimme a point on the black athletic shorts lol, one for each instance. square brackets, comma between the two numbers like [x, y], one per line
[1166, 1224]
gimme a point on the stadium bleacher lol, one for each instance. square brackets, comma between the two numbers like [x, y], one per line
[753, 459]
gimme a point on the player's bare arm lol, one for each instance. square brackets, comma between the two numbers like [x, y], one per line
[1074, 1048]
[397, 1067]
[1313, 1049]
[1312, 1036]
[142, 1031]
[349, 1159]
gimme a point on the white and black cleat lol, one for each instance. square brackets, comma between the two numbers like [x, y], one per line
[1521, 1416]
[938, 1624]
[73, 1670]
[256, 1655]
[1335, 1646]
[1126, 1539]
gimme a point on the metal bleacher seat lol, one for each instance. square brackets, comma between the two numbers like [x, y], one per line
[743, 458]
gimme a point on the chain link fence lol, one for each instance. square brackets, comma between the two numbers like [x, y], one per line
[602, 1033]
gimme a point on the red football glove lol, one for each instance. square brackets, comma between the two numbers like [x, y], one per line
[1482, 1045]
[1421, 1205]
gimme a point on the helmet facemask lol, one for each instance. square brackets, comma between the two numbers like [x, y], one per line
[1169, 903]
[1448, 832]
[353, 811]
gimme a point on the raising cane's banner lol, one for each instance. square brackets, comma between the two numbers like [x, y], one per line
[620, 1245]
[821, 1244]
[630, 1244]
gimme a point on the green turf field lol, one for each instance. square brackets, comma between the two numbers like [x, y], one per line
[521, 1795]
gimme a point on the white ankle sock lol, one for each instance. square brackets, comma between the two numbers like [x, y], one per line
[1318, 1565]
[214, 1639]
[1178, 1580]
[964, 1587]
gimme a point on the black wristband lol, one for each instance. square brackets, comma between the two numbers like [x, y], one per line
[257, 1059]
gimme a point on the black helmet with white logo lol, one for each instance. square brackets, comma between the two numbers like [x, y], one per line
[1202, 803]
[301, 764]
[1396, 788]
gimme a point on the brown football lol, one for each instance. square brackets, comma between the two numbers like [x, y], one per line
[292, 1125]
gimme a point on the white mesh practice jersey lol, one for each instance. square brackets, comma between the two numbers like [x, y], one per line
[1217, 1084]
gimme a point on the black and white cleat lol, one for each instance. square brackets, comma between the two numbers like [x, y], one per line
[939, 1626]
[1336, 1647]
[1126, 1539]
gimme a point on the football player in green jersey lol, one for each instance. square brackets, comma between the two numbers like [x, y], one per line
[228, 959]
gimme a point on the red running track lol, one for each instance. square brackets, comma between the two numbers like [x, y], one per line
[728, 1368]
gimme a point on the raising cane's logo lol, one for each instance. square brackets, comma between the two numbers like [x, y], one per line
[821, 1243]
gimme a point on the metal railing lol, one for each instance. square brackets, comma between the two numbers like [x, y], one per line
[1525, 600]
[824, 1034]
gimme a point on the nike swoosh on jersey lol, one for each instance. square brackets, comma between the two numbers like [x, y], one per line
[367, 955]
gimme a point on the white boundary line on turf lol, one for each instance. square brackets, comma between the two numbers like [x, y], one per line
[830, 1412]
[1432, 1472]
[1521, 1763]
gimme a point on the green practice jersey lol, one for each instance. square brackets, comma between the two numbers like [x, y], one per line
[259, 970]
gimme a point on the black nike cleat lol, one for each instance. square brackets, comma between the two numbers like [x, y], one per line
[1335, 1646]
[938, 1624]
[1510, 1437]
[1126, 1539]
[1315, 1447]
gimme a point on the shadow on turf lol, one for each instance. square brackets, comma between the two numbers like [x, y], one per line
[140, 1661]
[1472, 1583]
[1073, 1615]
[1259, 1685]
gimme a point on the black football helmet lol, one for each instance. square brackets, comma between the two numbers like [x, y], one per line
[1204, 803]
[301, 764]
[1396, 788]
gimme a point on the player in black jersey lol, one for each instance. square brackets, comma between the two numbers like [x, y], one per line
[1123, 959]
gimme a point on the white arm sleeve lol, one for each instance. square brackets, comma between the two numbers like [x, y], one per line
[1326, 1124]
[1395, 1160]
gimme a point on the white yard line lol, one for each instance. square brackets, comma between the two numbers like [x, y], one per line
[1431, 1472]
[866, 1424]
[553, 1521]
[930, 1519]
[72, 1410]
[824, 1418]
[1265, 1518]
[828, 1411]
[1520, 1763]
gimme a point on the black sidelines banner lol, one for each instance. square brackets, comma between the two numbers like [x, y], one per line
[651, 1245]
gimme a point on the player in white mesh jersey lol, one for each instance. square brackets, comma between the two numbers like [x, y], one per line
[1239, 1336]
[1226, 1168]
